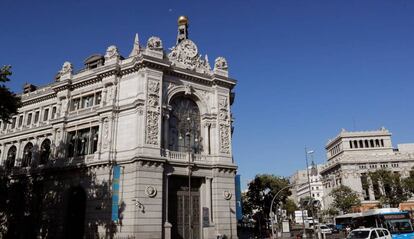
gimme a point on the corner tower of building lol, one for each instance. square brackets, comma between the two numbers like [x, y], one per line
[153, 128]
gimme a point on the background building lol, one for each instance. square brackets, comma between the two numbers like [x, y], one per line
[119, 147]
[351, 155]
[301, 190]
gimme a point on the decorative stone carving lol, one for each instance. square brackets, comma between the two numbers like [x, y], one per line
[185, 55]
[223, 116]
[154, 43]
[153, 112]
[153, 87]
[227, 195]
[112, 53]
[170, 85]
[105, 133]
[223, 103]
[188, 90]
[110, 94]
[152, 127]
[65, 72]
[224, 139]
[64, 107]
[151, 191]
[220, 63]
[152, 101]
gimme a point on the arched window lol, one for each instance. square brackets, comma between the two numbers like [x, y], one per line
[366, 143]
[27, 155]
[11, 157]
[184, 126]
[377, 144]
[361, 145]
[44, 151]
[371, 143]
[355, 144]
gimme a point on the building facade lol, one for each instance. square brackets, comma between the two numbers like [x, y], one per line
[119, 147]
[352, 155]
[302, 190]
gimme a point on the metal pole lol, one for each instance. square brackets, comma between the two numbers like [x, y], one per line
[271, 205]
[303, 224]
[309, 184]
[190, 207]
[189, 184]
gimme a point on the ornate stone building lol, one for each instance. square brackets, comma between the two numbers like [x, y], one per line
[352, 155]
[119, 147]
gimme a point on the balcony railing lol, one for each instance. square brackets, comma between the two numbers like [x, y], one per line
[183, 156]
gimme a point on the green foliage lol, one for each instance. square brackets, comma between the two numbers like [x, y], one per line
[408, 183]
[330, 212]
[344, 198]
[9, 102]
[262, 189]
[247, 206]
[306, 204]
[290, 207]
[392, 191]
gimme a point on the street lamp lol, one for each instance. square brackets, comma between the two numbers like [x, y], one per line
[309, 185]
[271, 206]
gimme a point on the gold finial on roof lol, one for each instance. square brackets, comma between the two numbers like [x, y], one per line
[182, 20]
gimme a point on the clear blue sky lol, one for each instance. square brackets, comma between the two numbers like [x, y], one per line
[305, 69]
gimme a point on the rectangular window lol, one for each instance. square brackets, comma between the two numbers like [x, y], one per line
[87, 101]
[20, 120]
[46, 114]
[75, 104]
[13, 123]
[83, 142]
[53, 113]
[98, 98]
[36, 119]
[29, 119]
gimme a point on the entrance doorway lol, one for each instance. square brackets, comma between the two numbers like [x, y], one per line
[75, 218]
[181, 216]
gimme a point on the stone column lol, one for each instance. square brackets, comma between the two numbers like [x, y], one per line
[18, 159]
[206, 143]
[2, 153]
[370, 190]
[166, 128]
[167, 224]
[208, 197]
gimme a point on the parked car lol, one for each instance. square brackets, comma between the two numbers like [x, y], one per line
[333, 228]
[370, 233]
[324, 229]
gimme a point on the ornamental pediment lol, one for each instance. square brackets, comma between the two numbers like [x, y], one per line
[185, 55]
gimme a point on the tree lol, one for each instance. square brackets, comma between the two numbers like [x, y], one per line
[408, 183]
[307, 203]
[9, 102]
[290, 207]
[262, 190]
[247, 207]
[344, 198]
[389, 187]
